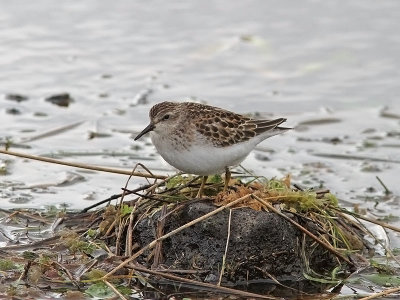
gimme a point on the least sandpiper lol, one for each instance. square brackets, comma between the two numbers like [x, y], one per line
[205, 140]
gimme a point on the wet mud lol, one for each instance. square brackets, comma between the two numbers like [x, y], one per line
[262, 245]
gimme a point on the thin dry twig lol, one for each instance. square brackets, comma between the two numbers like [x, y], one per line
[67, 272]
[86, 269]
[278, 283]
[115, 197]
[52, 132]
[115, 290]
[213, 287]
[159, 233]
[148, 187]
[150, 197]
[127, 182]
[124, 221]
[358, 216]
[120, 232]
[387, 191]
[380, 242]
[226, 248]
[28, 215]
[180, 271]
[129, 234]
[146, 169]
[81, 166]
[27, 267]
[383, 293]
[173, 232]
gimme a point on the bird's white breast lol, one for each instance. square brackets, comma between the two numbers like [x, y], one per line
[200, 157]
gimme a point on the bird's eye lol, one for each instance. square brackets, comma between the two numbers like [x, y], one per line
[166, 117]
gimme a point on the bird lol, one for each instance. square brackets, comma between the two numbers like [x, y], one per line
[205, 140]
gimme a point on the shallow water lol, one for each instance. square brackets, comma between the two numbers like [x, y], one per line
[330, 69]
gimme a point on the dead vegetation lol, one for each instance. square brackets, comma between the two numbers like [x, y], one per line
[96, 252]
[99, 253]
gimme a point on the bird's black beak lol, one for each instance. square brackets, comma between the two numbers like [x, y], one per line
[149, 128]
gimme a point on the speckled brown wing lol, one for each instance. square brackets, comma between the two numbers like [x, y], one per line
[224, 128]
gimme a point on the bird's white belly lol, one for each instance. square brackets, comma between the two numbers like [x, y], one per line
[203, 159]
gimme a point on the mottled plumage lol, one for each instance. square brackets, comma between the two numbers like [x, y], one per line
[220, 127]
[204, 140]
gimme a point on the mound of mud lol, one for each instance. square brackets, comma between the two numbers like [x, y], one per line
[262, 245]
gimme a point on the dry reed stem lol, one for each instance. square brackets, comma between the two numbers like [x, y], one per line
[150, 188]
[113, 197]
[129, 234]
[173, 232]
[159, 233]
[175, 190]
[111, 228]
[210, 286]
[226, 248]
[314, 237]
[81, 166]
[383, 293]
[124, 220]
[24, 274]
[67, 272]
[28, 215]
[115, 290]
[126, 184]
[146, 169]
[86, 269]
[379, 241]
[52, 132]
[120, 231]
[383, 224]
[183, 271]
[281, 284]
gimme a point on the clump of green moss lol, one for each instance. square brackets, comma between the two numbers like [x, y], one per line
[302, 201]
[7, 265]
[95, 274]
[76, 244]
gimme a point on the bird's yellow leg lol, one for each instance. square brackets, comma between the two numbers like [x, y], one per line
[203, 183]
[227, 178]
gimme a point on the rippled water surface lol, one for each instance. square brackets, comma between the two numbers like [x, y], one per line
[332, 68]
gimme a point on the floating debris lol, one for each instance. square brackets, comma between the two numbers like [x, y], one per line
[16, 97]
[322, 121]
[63, 100]
[13, 111]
